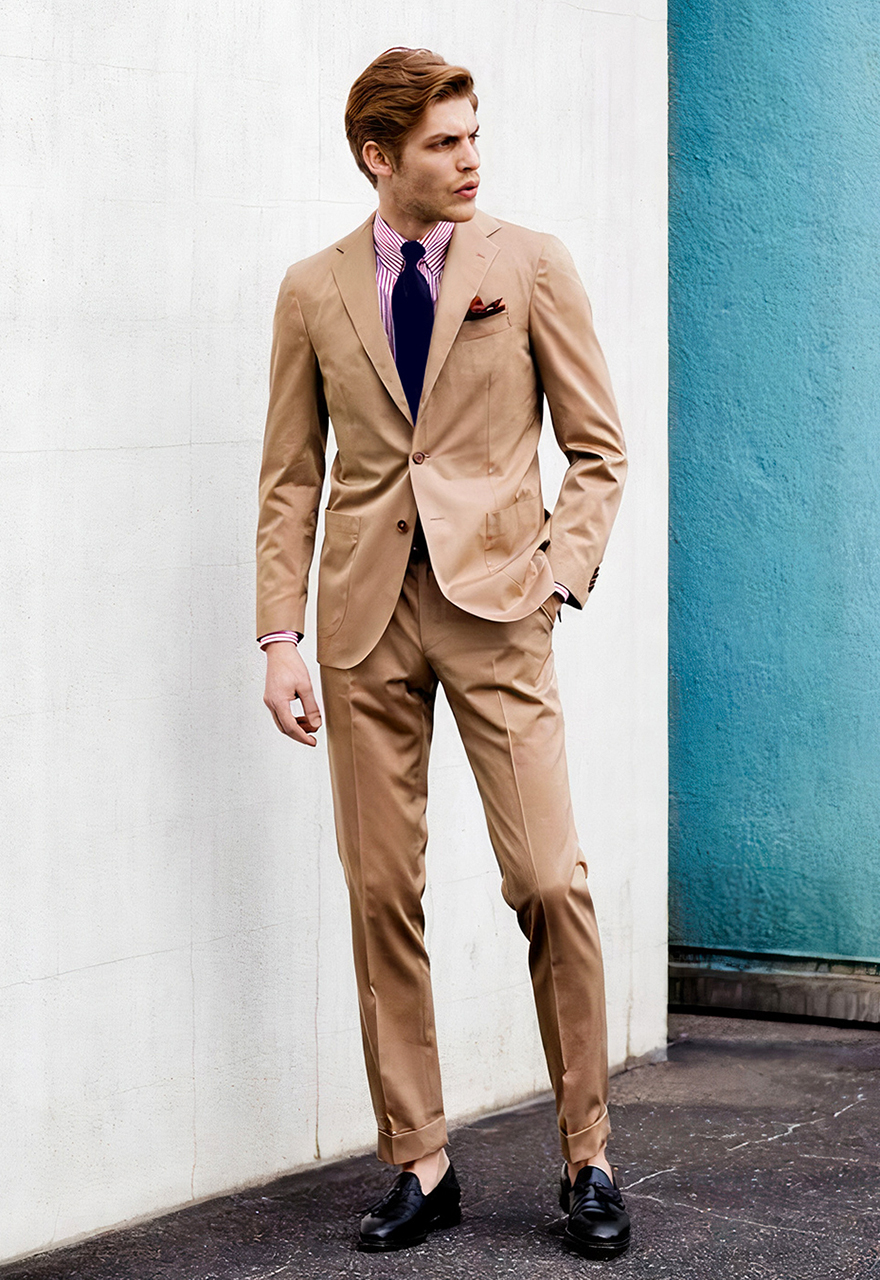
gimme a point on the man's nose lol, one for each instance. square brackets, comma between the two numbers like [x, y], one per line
[470, 158]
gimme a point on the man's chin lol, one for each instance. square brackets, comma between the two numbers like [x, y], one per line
[462, 213]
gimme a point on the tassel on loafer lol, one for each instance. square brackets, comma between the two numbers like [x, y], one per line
[598, 1224]
[405, 1215]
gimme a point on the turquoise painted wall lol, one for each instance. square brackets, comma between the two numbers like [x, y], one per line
[775, 461]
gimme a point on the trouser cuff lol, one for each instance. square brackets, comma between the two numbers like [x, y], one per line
[410, 1144]
[586, 1143]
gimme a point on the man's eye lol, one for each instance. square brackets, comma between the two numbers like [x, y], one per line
[450, 142]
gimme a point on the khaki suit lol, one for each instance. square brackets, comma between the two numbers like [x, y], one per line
[391, 628]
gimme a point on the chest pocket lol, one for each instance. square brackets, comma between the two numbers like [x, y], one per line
[472, 329]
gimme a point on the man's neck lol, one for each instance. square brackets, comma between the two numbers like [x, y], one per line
[404, 224]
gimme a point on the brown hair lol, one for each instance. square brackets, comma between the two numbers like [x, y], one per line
[388, 100]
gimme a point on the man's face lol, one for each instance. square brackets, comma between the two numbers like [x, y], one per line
[436, 177]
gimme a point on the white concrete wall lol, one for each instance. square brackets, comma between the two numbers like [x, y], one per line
[178, 1012]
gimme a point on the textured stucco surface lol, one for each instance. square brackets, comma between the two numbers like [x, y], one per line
[177, 1013]
[775, 549]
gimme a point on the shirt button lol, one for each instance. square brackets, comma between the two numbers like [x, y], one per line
[418, 458]
[402, 526]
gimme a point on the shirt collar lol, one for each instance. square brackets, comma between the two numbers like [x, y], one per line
[388, 242]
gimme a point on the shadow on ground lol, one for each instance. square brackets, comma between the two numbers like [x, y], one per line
[753, 1152]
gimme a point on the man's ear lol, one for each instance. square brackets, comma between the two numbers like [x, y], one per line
[376, 160]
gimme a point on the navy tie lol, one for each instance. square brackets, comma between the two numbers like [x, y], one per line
[412, 311]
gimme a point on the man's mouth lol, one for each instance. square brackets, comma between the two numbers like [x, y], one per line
[469, 190]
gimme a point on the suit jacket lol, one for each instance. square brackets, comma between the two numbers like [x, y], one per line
[469, 467]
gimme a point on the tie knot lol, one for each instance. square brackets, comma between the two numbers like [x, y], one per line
[413, 251]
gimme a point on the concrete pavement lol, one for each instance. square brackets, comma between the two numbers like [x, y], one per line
[753, 1153]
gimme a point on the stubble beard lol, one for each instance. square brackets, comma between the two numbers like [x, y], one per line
[428, 210]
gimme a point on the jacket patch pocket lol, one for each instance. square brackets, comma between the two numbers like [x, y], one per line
[337, 556]
[510, 531]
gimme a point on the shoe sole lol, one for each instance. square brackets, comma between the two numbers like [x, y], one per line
[451, 1219]
[597, 1252]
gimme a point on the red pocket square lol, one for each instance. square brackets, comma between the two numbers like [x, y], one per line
[478, 310]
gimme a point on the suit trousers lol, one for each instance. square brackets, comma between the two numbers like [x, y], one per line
[500, 682]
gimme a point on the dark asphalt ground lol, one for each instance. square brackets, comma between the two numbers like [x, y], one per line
[754, 1152]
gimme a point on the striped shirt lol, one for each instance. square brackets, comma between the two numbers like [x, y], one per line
[389, 264]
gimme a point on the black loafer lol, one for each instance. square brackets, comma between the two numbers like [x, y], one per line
[598, 1224]
[405, 1215]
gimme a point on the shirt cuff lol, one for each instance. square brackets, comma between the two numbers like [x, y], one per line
[293, 637]
[561, 591]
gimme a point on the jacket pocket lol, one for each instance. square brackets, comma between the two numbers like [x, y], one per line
[551, 617]
[509, 531]
[483, 328]
[341, 533]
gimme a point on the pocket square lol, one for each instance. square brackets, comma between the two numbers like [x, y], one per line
[478, 310]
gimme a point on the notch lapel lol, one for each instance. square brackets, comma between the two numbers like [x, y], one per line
[468, 259]
[354, 271]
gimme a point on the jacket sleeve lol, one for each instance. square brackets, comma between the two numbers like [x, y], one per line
[585, 420]
[292, 473]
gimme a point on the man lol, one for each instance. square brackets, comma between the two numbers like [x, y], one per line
[430, 337]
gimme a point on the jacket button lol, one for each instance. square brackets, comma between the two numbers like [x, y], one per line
[418, 458]
[402, 526]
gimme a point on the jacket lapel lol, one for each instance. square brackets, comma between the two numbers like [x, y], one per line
[467, 261]
[354, 271]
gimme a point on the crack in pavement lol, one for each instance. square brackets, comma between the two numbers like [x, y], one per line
[764, 1226]
[649, 1176]
[798, 1124]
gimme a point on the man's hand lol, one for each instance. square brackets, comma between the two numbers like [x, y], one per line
[287, 679]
